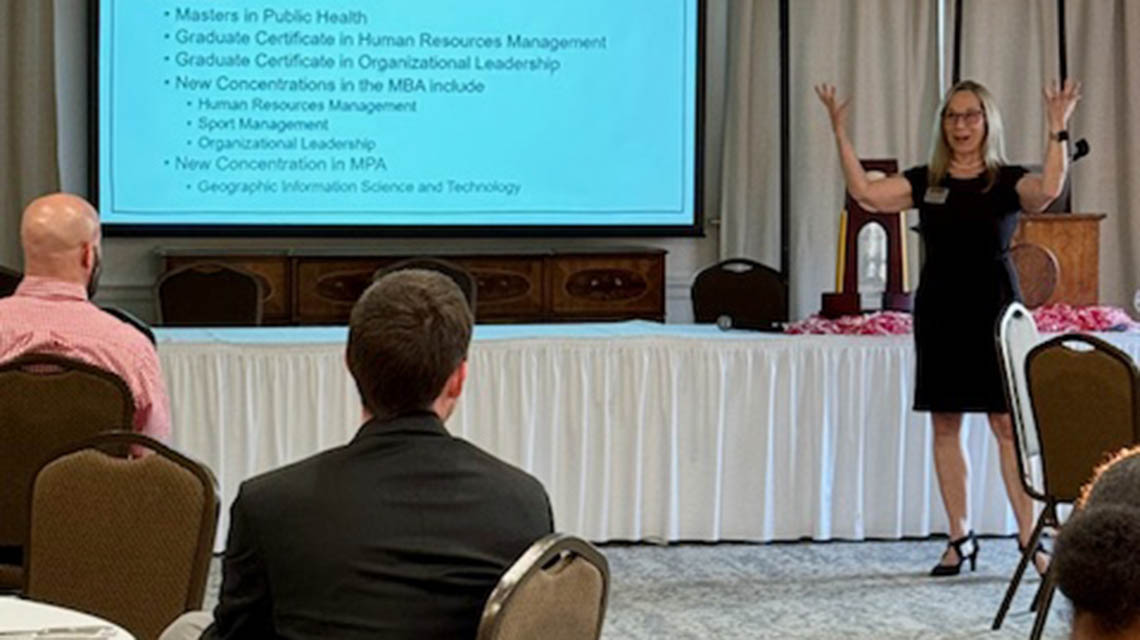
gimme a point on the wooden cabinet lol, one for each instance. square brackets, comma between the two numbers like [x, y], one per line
[597, 287]
[508, 288]
[551, 286]
[328, 287]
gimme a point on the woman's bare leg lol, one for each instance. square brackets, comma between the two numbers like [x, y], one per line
[1022, 504]
[953, 470]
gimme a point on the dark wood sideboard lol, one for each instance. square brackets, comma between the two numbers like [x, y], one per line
[307, 288]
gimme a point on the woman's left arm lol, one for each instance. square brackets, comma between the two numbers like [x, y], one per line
[1036, 191]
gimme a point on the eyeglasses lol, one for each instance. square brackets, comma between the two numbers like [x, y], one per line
[971, 117]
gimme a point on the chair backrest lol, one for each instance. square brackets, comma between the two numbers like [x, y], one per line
[1016, 336]
[1085, 395]
[132, 320]
[1038, 272]
[9, 280]
[209, 294]
[47, 402]
[126, 539]
[750, 294]
[557, 590]
[457, 273]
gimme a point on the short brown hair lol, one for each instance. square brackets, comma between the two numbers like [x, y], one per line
[407, 334]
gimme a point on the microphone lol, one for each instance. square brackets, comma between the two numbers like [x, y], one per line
[726, 322]
[1082, 149]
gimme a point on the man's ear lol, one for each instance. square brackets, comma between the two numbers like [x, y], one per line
[365, 413]
[458, 377]
[87, 255]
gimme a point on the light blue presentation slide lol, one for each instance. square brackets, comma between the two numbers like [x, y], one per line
[394, 112]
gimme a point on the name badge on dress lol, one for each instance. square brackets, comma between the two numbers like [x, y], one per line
[936, 195]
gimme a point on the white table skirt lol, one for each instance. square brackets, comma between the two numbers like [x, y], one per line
[638, 431]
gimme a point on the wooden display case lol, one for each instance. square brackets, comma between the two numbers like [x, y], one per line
[307, 288]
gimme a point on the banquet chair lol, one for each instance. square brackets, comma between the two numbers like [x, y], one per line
[557, 590]
[1038, 272]
[132, 320]
[126, 539]
[209, 294]
[1084, 396]
[461, 276]
[9, 280]
[1016, 336]
[47, 402]
[739, 292]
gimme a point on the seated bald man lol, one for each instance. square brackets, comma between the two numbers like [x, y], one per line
[51, 311]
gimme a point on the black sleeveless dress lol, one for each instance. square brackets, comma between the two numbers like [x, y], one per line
[967, 279]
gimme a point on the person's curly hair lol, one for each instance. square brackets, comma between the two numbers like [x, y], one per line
[1097, 554]
[1115, 481]
[1097, 564]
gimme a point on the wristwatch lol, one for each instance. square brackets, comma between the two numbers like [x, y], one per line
[1060, 136]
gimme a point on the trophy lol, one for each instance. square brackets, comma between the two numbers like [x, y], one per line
[870, 266]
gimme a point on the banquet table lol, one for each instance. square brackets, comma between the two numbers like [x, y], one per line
[638, 430]
[27, 620]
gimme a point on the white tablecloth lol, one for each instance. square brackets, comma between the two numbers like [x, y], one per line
[18, 615]
[639, 431]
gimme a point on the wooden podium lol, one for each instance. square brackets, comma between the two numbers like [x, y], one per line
[1057, 257]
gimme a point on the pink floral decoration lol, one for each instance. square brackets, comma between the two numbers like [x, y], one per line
[1061, 318]
[882, 323]
[1055, 318]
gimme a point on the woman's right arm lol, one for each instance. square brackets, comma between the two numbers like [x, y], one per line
[889, 194]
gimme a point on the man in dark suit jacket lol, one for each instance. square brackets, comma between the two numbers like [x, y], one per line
[401, 533]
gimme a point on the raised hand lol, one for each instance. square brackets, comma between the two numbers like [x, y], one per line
[1060, 100]
[836, 110]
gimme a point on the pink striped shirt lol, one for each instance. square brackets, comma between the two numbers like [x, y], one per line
[51, 316]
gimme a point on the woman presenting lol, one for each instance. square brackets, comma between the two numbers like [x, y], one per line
[968, 199]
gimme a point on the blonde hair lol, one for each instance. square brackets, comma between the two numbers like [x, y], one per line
[993, 145]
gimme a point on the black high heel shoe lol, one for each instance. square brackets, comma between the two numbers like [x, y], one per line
[941, 570]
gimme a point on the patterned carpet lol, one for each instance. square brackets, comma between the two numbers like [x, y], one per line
[847, 590]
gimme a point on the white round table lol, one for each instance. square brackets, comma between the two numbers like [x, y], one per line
[27, 619]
